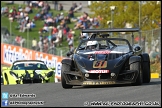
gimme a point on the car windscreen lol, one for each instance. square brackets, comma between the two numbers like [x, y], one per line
[29, 66]
[121, 46]
[115, 45]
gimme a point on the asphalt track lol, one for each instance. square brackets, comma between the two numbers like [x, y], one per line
[54, 95]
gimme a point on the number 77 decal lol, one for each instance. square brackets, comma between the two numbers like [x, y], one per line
[99, 64]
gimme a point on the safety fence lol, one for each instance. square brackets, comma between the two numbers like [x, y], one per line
[27, 43]
[150, 42]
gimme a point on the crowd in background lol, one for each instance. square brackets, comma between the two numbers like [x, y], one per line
[57, 27]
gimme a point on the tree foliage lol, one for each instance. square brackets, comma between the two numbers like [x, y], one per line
[128, 12]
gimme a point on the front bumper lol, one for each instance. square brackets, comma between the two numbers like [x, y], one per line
[98, 82]
[76, 78]
[35, 79]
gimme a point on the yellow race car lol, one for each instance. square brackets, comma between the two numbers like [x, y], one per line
[27, 71]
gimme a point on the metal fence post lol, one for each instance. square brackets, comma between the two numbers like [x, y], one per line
[160, 43]
[10, 28]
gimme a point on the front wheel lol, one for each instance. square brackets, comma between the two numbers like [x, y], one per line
[136, 65]
[146, 68]
[2, 82]
[64, 68]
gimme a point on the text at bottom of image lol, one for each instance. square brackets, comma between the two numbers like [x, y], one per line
[26, 103]
[122, 103]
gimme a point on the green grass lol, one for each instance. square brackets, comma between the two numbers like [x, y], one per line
[39, 24]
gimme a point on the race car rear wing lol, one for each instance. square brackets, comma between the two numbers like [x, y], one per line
[111, 30]
[98, 31]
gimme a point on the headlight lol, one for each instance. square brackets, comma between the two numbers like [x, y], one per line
[50, 74]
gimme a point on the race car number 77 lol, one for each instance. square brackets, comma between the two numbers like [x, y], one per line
[99, 64]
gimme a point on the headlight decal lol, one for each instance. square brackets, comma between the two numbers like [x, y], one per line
[14, 75]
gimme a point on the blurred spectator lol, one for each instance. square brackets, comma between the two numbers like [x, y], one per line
[40, 46]
[59, 35]
[20, 14]
[95, 23]
[22, 42]
[49, 20]
[67, 20]
[34, 3]
[55, 5]
[61, 17]
[40, 16]
[79, 24]
[71, 14]
[66, 31]
[32, 24]
[4, 11]
[10, 17]
[28, 26]
[45, 45]
[54, 31]
[40, 4]
[70, 39]
[22, 25]
[75, 5]
[63, 24]
[84, 36]
[44, 29]
[34, 44]
[27, 18]
[28, 10]
[61, 8]
[71, 50]
[5, 38]
[48, 7]
[17, 40]
[78, 8]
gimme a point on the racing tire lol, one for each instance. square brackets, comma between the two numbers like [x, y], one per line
[65, 67]
[6, 77]
[2, 80]
[146, 68]
[136, 65]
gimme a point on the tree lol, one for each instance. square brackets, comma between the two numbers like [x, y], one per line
[128, 12]
[151, 11]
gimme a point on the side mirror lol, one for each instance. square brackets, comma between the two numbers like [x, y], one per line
[53, 68]
[68, 54]
[4, 68]
[137, 48]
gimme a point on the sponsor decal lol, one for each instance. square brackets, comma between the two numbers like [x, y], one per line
[99, 71]
[98, 82]
[99, 64]
[11, 53]
[102, 52]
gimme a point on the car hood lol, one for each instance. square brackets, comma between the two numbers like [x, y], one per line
[87, 60]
